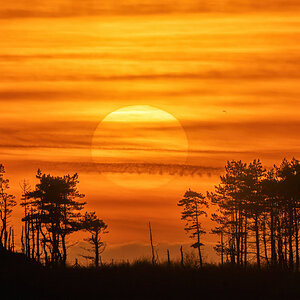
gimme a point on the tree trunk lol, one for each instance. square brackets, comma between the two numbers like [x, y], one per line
[245, 241]
[13, 241]
[257, 242]
[96, 250]
[296, 240]
[280, 245]
[64, 248]
[265, 243]
[27, 238]
[152, 247]
[273, 249]
[32, 240]
[37, 243]
[232, 242]
[222, 249]
[200, 256]
[291, 256]
[285, 246]
[5, 224]
[181, 255]
[237, 238]
[22, 241]
[9, 240]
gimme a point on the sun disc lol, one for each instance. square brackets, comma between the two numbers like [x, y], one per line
[136, 136]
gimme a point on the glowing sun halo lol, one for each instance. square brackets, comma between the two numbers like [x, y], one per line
[138, 135]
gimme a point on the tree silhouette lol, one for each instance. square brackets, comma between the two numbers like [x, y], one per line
[7, 202]
[230, 216]
[25, 238]
[260, 208]
[96, 227]
[55, 214]
[254, 201]
[193, 204]
[220, 230]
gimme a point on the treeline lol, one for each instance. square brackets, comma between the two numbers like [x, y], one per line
[52, 211]
[257, 212]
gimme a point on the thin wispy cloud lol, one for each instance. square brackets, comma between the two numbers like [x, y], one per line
[66, 8]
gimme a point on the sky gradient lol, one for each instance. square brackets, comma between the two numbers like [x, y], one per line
[226, 71]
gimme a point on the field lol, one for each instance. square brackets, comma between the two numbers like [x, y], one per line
[24, 279]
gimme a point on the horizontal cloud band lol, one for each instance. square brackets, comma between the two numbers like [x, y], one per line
[130, 168]
[67, 8]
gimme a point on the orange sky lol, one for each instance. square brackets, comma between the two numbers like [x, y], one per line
[228, 71]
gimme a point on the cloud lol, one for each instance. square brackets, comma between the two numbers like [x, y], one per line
[65, 8]
[130, 168]
[46, 134]
[250, 69]
[235, 73]
[258, 131]
[217, 137]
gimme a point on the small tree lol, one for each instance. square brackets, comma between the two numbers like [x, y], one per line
[7, 202]
[96, 227]
[219, 230]
[25, 240]
[193, 204]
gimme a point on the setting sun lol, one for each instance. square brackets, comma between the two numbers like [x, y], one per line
[165, 132]
[139, 136]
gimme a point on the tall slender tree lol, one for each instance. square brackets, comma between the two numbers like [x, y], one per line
[96, 227]
[193, 205]
[231, 216]
[25, 188]
[7, 202]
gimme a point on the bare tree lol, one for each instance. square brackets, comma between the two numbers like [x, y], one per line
[152, 246]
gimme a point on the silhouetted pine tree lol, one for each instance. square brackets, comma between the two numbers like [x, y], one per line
[7, 202]
[260, 208]
[193, 204]
[96, 227]
[55, 215]
[25, 239]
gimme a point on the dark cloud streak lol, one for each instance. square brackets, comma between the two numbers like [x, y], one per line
[129, 168]
[69, 8]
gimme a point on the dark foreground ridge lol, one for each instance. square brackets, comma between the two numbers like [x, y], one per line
[21, 278]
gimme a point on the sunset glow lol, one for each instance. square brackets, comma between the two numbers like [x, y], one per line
[139, 135]
[127, 94]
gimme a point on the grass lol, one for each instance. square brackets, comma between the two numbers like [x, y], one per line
[141, 280]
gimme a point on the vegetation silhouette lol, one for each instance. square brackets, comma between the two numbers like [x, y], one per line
[7, 202]
[256, 214]
[258, 208]
[96, 228]
[193, 204]
[52, 212]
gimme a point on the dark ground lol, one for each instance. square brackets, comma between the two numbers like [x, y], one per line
[24, 279]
